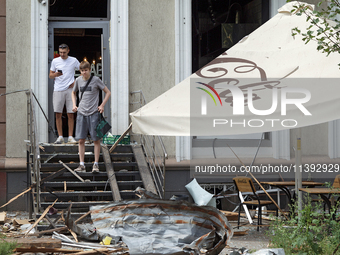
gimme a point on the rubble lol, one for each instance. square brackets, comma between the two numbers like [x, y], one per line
[150, 226]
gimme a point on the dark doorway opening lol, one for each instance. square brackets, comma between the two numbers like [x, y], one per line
[84, 44]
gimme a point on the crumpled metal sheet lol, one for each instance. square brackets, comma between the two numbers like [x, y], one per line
[150, 226]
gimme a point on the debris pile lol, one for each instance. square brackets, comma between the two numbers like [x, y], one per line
[144, 226]
[151, 226]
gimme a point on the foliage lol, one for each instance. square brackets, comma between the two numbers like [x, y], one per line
[6, 247]
[314, 232]
[324, 25]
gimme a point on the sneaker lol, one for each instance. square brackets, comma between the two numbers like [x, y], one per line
[72, 140]
[80, 169]
[95, 168]
[60, 140]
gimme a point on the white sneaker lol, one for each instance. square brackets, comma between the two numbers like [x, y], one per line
[60, 140]
[95, 168]
[80, 169]
[71, 140]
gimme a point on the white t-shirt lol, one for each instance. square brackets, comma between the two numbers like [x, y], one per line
[68, 66]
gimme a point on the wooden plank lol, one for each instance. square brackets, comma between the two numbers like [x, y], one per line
[49, 231]
[41, 217]
[34, 250]
[144, 170]
[54, 175]
[3, 217]
[14, 198]
[94, 251]
[27, 243]
[73, 172]
[111, 174]
[120, 138]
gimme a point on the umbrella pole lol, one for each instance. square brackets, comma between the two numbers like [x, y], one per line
[298, 170]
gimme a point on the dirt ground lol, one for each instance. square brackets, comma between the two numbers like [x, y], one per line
[253, 241]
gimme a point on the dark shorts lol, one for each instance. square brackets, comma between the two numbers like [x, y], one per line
[87, 124]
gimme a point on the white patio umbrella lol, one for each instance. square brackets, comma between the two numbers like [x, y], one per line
[270, 57]
[291, 85]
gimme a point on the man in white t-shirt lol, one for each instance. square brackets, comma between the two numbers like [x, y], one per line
[62, 71]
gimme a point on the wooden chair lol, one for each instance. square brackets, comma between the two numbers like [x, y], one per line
[245, 184]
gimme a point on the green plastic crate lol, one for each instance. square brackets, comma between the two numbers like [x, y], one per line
[113, 139]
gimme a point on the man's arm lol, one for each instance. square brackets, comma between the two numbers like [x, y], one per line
[106, 98]
[53, 74]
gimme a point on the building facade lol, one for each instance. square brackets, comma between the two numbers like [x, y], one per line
[133, 45]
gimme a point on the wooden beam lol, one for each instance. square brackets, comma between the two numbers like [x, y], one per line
[34, 250]
[14, 198]
[41, 217]
[49, 231]
[73, 172]
[27, 243]
[52, 176]
[144, 169]
[111, 174]
[120, 138]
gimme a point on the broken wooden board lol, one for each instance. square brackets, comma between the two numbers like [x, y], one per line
[240, 233]
[120, 138]
[144, 169]
[111, 174]
[231, 216]
[73, 172]
[29, 243]
[18, 222]
[45, 250]
[3, 217]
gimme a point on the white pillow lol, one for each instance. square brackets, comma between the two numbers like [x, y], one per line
[200, 196]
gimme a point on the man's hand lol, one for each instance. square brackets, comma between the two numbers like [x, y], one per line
[57, 74]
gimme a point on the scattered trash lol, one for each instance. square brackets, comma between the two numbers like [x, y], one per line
[107, 240]
[52, 211]
[25, 227]
[278, 251]
[200, 195]
[180, 197]
[244, 251]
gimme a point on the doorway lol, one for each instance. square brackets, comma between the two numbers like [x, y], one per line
[87, 41]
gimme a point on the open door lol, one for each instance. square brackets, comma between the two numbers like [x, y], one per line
[87, 41]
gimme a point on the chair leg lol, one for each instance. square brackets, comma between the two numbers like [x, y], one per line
[239, 214]
[259, 217]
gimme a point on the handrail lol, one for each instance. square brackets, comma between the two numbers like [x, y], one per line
[32, 147]
[155, 152]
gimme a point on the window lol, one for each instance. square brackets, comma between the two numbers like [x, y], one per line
[76, 10]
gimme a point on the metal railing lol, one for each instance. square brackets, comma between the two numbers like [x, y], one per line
[34, 151]
[154, 150]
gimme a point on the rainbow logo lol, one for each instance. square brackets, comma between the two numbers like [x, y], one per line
[209, 93]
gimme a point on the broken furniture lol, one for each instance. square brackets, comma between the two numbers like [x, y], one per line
[326, 193]
[245, 184]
